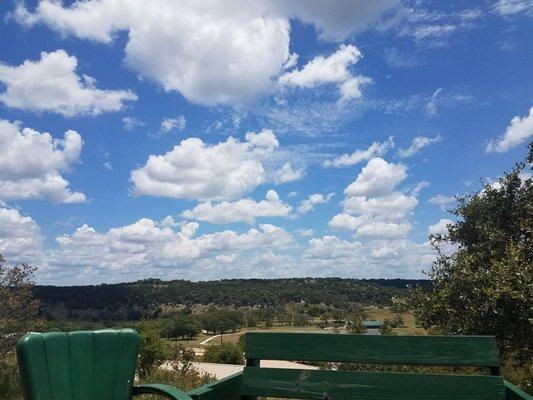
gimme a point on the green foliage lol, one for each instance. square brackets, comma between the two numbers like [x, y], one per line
[142, 299]
[355, 324]
[222, 320]
[396, 321]
[482, 281]
[184, 378]
[224, 353]
[485, 286]
[386, 327]
[152, 351]
[183, 327]
[18, 315]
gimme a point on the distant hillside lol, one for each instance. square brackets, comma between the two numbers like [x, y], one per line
[144, 298]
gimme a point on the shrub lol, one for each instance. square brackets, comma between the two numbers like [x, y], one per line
[224, 353]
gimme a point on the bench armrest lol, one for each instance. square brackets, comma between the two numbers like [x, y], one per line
[514, 393]
[167, 391]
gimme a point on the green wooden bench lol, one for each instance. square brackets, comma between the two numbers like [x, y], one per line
[83, 365]
[467, 351]
[100, 365]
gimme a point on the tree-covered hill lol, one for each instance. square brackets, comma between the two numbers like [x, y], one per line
[142, 298]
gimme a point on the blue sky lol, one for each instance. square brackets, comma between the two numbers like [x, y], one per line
[206, 139]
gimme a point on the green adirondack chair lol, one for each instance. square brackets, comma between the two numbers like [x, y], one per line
[84, 365]
[474, 351]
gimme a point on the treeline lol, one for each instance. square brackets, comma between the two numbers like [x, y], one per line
[150, 298]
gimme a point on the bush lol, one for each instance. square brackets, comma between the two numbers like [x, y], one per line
[386, 327]
[184, 378]
[152, 351]
[355, 325]
[225, 353]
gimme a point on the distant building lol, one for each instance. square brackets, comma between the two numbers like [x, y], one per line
[372, 327]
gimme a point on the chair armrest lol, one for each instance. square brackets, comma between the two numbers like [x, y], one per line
[514, 393]
[170, 392]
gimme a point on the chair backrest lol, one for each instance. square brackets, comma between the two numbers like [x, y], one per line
[82, 365]
[476, 351]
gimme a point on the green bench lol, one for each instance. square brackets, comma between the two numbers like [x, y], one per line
[100, 365]
[467, 351]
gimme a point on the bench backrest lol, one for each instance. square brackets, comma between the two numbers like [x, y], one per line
[475, 351]
[83, 365]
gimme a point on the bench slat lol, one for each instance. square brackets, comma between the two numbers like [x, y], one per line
[478, 351]
[347, 385]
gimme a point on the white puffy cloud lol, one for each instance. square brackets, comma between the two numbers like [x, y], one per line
[331, 247]
[20, 238]
[149, 248]
[394, 205]
[196, 170]
[210, 52]
[418, 144]
[440, 227]
[370, 226]
[170, 124]
[288, 174]
[330, 70]
[373, 207]
[376, 149]
[244, 210]
[390, 258]
[516, 133]
[52, 85]
[377, 178]
[312, 200]
[31, 163]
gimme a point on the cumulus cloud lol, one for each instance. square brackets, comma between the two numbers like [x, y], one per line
[196, 170]
[441, 227]
[173, 124]
[288, 174]
[24, 175]
[20, 237]
[330, 70]
[520, 129]
[373, 207]
[244, 210]
[312, 200]
[376, 149]
[52, 85]
[391, 257]
[212, 53]
[377, 178]
[149, 248]
[418, 144]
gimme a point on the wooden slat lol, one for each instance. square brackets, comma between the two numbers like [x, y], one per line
[347, 385]
[478, 351]
[228, 388]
